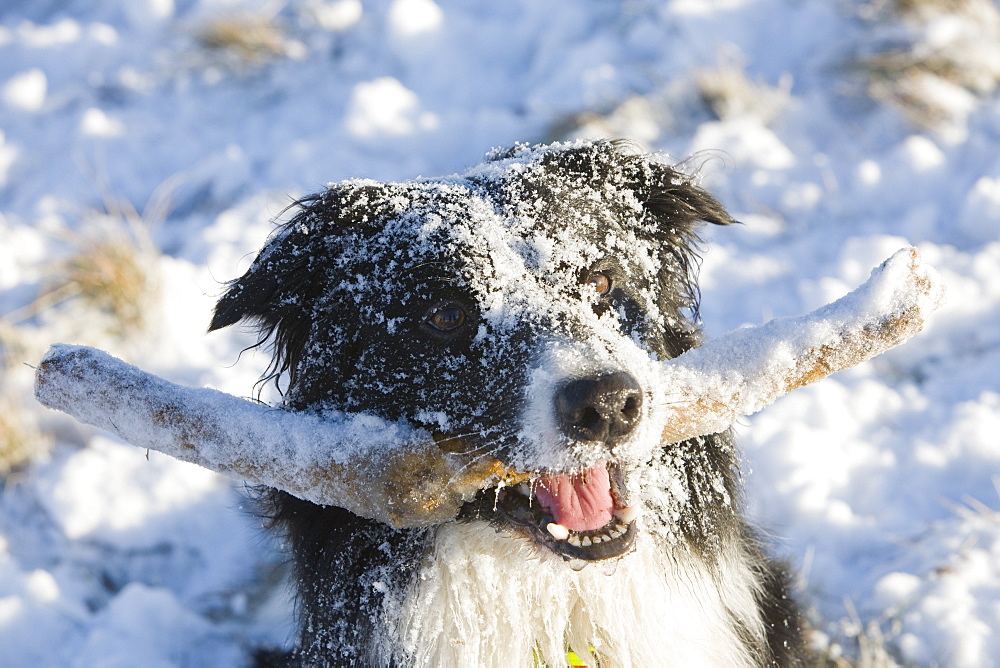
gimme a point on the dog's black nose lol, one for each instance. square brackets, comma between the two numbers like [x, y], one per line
[604, 408]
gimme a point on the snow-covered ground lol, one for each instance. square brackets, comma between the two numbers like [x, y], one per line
[831, 129]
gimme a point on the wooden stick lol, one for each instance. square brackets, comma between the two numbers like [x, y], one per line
[399, 475]
[376, 469]
[746, 369]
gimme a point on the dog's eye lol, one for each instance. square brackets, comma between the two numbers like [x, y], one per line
[447, 319]
[600, 281]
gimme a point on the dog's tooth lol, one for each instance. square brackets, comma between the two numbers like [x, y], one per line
[615, 533]
[585, 541]
[558, 531]
[597, 539]
[573, 540]
[627, 514]
[524, 488]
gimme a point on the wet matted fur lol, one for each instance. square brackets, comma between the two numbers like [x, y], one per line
[516, 312]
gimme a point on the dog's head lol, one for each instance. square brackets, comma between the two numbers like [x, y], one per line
[515, 311]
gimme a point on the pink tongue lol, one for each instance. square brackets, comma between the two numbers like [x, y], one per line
[580, 502]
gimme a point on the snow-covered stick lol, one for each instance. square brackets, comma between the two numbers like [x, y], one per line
[400, 475]
[743, 371]
[377, 469]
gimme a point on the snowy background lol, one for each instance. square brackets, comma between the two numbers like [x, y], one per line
[145, 146]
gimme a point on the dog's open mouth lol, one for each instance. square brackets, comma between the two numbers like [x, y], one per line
[577, 515]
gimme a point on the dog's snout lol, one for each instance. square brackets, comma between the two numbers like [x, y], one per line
[603, 408]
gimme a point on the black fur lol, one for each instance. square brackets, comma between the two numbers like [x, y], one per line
[343, 292]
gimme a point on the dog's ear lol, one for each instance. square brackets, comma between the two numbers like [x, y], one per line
[288, 278]
[272, 288]
[671, 197]
[285, 277]
[274, 292]
[674, 209]
[675, 200]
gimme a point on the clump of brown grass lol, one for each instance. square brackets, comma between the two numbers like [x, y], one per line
[936, 57]
[109, 272]
[728, 92]
[105, 282]
[21, 439]
[923, 10]
[249, 38]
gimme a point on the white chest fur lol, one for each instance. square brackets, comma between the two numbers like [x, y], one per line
[484, 599]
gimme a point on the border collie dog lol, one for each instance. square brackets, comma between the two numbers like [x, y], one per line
[517, 312]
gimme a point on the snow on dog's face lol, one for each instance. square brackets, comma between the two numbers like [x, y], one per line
[514, 311]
